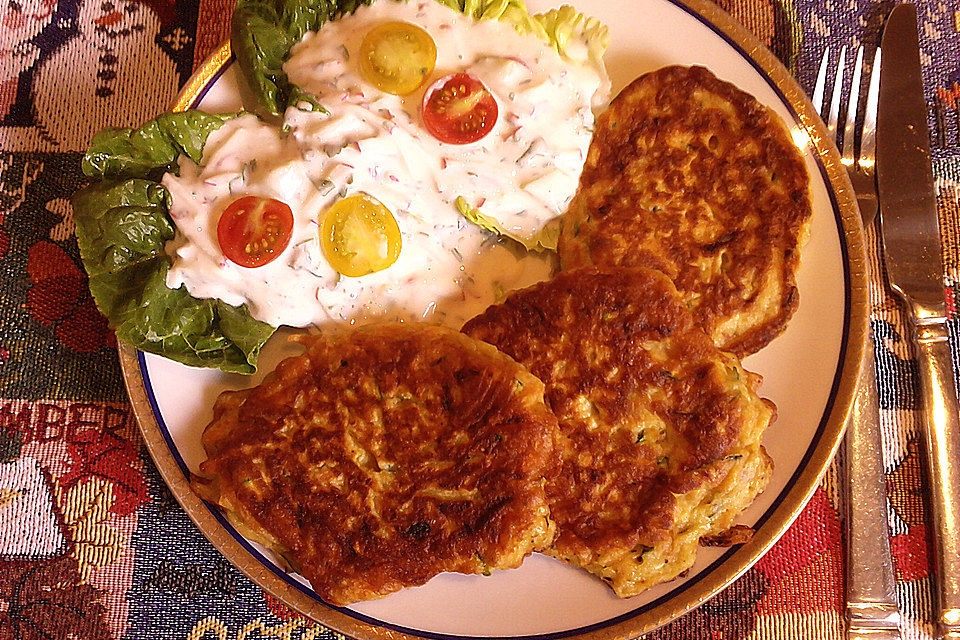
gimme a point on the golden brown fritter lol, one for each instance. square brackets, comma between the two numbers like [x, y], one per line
[659, 430]
[693, 177]
[383, 456]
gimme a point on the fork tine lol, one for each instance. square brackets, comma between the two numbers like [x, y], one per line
[846, 156]
[819, 89]
[868, 138]
[837, 92]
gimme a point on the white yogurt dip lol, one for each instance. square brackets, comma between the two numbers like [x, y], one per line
[523, 174]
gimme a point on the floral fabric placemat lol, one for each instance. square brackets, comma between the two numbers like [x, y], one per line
[92, 545]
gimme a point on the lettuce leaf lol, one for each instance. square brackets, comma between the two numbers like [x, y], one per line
[152, 148]
[574, 35]
[546, 240]
[122, 226]
[264, 31]
[511, 11]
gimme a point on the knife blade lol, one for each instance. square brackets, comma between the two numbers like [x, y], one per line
[904, 175]
[909, 232]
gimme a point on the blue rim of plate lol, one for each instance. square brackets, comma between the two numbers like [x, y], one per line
[826, 419]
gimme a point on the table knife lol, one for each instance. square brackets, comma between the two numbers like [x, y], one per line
[910, 237]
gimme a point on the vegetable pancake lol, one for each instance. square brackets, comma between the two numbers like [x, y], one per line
[693, 177]
[659, 430]
[383, 456]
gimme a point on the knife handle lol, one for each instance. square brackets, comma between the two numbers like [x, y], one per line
[942, 433]
[872, 610]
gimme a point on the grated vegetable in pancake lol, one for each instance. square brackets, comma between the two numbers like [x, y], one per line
[691, 176]
[659, 430]
[383, 456]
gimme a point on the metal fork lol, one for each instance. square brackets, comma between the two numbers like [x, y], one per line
[872, 611]
[860, 166]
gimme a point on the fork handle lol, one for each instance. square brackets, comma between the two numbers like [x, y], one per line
[872, 610]
[942, 434]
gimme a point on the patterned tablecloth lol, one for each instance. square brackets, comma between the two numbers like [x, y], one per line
[92, 544]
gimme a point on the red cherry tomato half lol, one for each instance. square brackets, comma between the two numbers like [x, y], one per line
[253, 231]
[458, 109]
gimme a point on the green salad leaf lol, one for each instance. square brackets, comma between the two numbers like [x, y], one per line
[568, 30]
[152, 148]
[511, 11]
[546, 240]
[122, 226]
[305, 101]
[565, 29]
[264, 31]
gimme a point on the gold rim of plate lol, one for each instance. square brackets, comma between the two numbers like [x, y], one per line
[707, 586]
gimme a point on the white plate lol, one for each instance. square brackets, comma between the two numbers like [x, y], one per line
[809, 372]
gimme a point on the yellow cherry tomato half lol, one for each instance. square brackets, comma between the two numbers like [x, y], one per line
[397, 57]
[359, 236]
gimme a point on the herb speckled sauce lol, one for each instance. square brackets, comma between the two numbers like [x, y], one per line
[522, 174]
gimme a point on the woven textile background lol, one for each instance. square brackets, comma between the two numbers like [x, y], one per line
[92, 544]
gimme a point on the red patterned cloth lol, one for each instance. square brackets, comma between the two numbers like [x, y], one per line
[92, 544]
